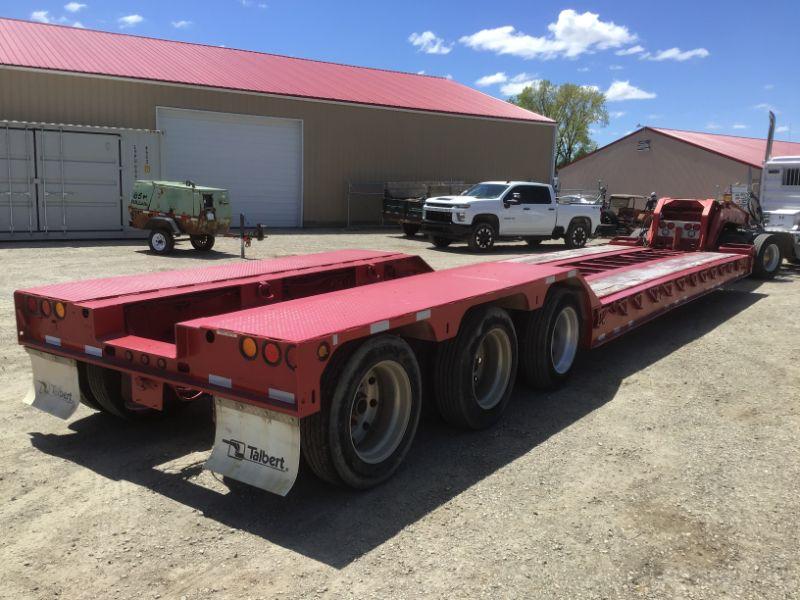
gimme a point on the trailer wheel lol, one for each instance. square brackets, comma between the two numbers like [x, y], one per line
[482, 237]
[161, 241]
[87, 396]
[204, 243]
[475, 371]
[549, 340]
[369, 412]
[110, 389]
[440, 242]
[410, 229]
[768, 257]
[577, 234]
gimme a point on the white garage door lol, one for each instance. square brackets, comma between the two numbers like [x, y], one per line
[259, 159]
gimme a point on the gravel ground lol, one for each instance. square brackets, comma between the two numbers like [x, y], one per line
[668, 467]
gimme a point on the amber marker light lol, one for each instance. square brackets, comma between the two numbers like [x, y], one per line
[248, 348]
[60, 310]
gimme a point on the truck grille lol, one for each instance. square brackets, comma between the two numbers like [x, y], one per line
[437, 216]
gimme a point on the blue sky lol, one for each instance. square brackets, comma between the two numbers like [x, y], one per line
[707, 66]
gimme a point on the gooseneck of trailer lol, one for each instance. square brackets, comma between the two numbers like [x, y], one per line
[323, 354]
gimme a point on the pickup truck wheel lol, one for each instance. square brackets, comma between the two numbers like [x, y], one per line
[577, 235]
[204, 243]
[482, 237]
[533, 242]
[410, 229]
[549, 340]
[768, 257]
[369, 412]
[440, 242]
[161, 241]
[111, 390]
[475, 371]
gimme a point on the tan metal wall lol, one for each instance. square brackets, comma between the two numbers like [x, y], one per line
[670, 168]
[341, 142]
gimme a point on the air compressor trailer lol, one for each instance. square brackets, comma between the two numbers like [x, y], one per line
[320, 354]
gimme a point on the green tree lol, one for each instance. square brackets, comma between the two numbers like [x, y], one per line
[574, 107]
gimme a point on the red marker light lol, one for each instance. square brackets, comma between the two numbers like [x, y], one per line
[46, 308]
[272, 353]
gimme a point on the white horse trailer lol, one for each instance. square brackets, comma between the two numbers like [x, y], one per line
[71, 181]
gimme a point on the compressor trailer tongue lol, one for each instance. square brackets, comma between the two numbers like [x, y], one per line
[320, 354]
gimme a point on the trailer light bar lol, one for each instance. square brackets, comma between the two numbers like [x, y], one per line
[60, 310]
[272, 353]
[248, 347]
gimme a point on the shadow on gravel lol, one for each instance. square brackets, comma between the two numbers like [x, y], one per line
[337, 526]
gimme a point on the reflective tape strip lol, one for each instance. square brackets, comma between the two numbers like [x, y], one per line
[93, 350]
[281, 396]
[424, 314]
[379, 326]
[220, 381]
[335, 339]
[601, 337]
[572, 273]
[52, 340]
[550, 279]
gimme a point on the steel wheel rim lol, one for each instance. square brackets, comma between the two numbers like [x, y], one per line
[564, 340]
[491, 368]
[771, 257]
[484, 236]
[380, 411]
[159, 241]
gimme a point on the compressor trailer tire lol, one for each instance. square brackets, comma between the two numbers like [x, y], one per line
[369, 412]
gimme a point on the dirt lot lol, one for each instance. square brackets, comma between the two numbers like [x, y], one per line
[667, 468]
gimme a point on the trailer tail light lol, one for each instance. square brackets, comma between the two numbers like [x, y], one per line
[272, 353]
[323, 351]
[696, 227]
[46, 308]
[688, 226]
[32, 305]
[248, 347]
[60, 310]
[670, 225]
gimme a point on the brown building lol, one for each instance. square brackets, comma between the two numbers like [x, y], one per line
[670, 162]
[285, 135]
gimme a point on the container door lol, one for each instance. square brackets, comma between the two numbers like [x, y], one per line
[78, 181]
[17, 190]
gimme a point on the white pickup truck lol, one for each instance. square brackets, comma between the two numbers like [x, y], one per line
[495, 210]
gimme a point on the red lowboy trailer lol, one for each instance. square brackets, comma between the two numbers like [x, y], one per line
[320, 354]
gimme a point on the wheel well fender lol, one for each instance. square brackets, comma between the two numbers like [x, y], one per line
[487, 218]
[163, 223]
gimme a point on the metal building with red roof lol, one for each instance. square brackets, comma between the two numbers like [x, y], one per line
[673, 162]
[227, 113]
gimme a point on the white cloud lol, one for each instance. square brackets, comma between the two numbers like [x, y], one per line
[488, 80]
[130, 21]
[628, 51]
[448, 76]
[623, 90]
[421, 72]
[42, 16]
[617, 114]
[78, 25]
[583, 70]
[765, 106]
[74, 7]
[615, 67]
[769, 86]
[182, 24]
[518, 83]
[781, 129]
[677, 54]
[739, 126]
[713, 125]
[429, 43]
[570, 36]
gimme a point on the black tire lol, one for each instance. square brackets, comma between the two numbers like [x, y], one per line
[110, 390]
[577, 235]
[327, 437]
[768, 258]
[161, 241]
[458, 367]
[204, 243]
[536, 341]
[482, 237]
[410, 229]
[440, 242]
[533, 242]
[87, 396]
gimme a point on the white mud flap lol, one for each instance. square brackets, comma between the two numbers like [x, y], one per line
[256, 446]
[56, 389]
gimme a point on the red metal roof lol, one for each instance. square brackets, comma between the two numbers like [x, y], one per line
[60, 48]
[744, 149]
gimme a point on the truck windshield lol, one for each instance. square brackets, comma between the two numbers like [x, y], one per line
[485, 190]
